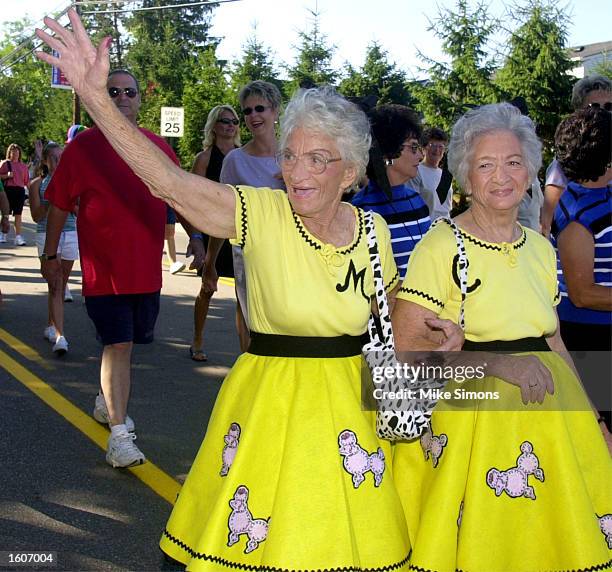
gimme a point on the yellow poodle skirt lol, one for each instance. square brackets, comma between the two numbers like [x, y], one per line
[270, 489]
[515, 489]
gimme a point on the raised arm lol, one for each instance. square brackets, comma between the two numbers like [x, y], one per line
[206, 205]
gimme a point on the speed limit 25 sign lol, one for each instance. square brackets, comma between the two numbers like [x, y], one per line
[172, 121]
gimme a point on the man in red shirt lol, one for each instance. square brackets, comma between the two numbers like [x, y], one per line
[121, 234]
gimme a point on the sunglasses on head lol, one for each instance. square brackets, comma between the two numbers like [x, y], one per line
[228, 121]
[257, 108]
[131, 92]
[607, 105]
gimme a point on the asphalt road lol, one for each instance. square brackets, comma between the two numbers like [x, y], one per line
[57, 494]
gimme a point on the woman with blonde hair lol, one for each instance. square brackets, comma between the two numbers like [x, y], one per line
[221, 135]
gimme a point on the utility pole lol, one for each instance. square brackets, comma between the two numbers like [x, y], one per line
[76, 102]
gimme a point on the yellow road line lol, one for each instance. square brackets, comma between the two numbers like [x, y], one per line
[151, 475]
[26, 351]
[227, 281]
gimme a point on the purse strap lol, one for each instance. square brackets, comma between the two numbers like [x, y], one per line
[379, 287]
[462, 265]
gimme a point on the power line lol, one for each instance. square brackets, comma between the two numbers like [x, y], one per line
[167, 7]
[32, 37]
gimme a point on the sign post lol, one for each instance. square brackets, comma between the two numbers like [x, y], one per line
[172, 121]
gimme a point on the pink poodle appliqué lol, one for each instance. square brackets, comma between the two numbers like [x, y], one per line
[515, 480]
[434, 445]
[605, 525]
[357, 461]
[241, 522]
[232, 439]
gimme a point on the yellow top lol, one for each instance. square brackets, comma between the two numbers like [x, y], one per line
[296, 284]
[512, 287]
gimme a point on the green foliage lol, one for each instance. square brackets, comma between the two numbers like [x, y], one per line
[377, 77]
[199, 97]
[29, 107]
[164, 55]
[537, 65]
[313, 60]
[100, 24]
[467, 79]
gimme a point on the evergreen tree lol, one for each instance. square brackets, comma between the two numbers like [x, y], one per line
[101, 21]
[377, 77]
[467, 80]
[313, 61]
[164, 52]
[257, 63]
[603, 68]
[199, 97]
[29, 107]
[537, 66]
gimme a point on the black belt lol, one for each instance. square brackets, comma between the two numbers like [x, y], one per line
[304, 346]
[510, 346]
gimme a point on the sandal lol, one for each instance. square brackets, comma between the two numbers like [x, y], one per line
[197, 355]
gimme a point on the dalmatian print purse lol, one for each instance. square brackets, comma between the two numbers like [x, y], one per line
[401, 418]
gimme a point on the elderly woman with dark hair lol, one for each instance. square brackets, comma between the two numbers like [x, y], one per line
[290, 475]
[394, 160]
[582, 231]
[519, 477]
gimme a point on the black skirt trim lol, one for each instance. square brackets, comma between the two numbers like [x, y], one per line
[595, 568]
[274, 345]
[260, 568]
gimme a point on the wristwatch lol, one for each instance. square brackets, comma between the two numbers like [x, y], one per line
[45, 256]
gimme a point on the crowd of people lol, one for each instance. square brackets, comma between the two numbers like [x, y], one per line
[291, 474]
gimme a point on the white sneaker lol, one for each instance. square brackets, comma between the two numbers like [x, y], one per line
[61, 346]
[19, 240]
[122, 451]
[50, 334]
[100, 414]
[176, 267]
[2, 237]
[68, 295]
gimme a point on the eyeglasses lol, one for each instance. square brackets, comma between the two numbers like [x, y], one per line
[114, 92]
[257, 109]
[228, 121]
[414, 147]
[607, 105]
[436, 146]
[315, 163]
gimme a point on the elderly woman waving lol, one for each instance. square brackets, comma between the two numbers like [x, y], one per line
[290, 474]
[519, 477]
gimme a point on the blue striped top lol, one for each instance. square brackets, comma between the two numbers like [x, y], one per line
[41, 225]
[407, 217]
[592, 208]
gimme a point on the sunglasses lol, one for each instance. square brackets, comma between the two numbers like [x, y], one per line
[607, 105]
[228, 121]
[414, 147]
[257, 108]
[114, 92]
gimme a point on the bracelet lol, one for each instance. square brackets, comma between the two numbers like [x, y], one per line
[197, 235]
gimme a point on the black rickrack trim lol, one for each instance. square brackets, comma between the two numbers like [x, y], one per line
[243, 217]
[391, 283]
[308, 240]
[557, 296]
[260, 568]
[595, 568]
[422, 295]
[477, 242]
